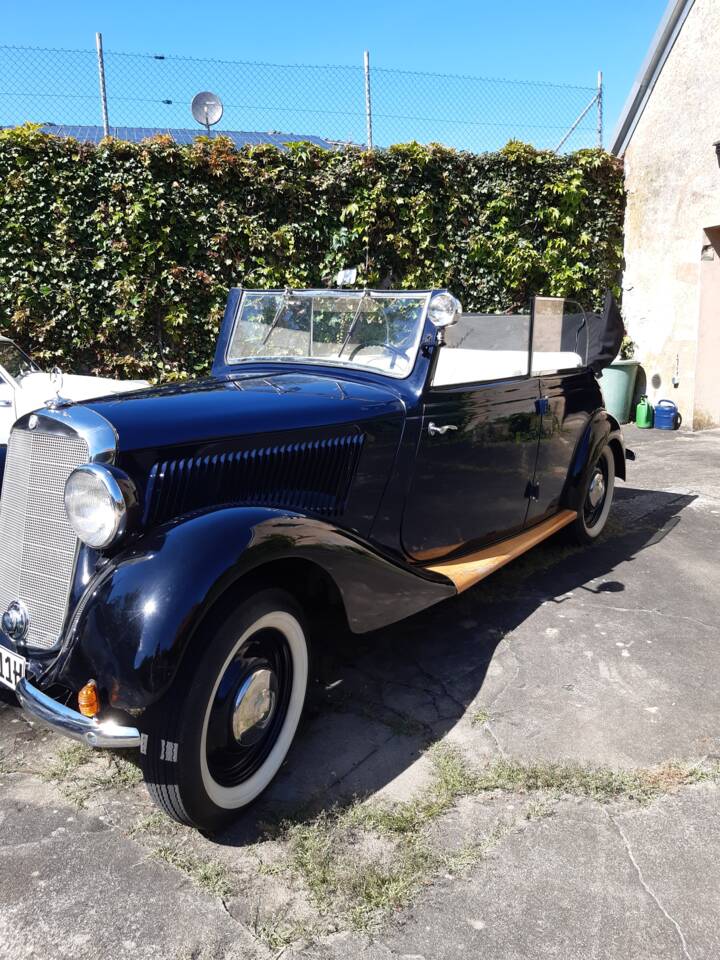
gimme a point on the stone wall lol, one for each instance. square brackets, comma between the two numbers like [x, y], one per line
[673, 188]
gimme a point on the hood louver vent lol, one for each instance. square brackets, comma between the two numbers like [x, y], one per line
[313, 475]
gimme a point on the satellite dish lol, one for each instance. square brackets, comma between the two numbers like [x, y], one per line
[207, 108]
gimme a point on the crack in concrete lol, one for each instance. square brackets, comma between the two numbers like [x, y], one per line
[384, 682]
[337, 781]
[423, 727]
[646, 887]
[366, 708]
[487, 726]
[509, 683]
[444, 689]
[433, 696]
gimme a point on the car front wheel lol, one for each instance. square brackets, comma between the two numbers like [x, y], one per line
[219, 737]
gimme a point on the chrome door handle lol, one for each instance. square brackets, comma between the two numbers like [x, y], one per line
[436, 431]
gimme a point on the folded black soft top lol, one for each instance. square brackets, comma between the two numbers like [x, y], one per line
[605, 334]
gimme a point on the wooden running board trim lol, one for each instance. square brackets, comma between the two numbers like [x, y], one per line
[469, 570]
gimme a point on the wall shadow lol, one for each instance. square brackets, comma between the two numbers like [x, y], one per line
[389, 695]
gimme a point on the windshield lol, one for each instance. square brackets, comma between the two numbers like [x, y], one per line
[375, 330]
[15, 361]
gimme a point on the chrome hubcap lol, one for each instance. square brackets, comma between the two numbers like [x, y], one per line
[254, 706]
[596, 492]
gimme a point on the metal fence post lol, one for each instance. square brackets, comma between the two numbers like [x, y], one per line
[368, 103]
[101, 78]
[464, 112]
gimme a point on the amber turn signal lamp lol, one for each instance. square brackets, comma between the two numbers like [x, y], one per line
[89, 700]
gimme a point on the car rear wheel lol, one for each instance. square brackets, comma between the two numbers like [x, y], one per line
[595, 499]
[222, 733]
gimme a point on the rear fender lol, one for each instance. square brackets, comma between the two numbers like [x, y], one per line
[140, 613]
[603, 428]
[617, 445]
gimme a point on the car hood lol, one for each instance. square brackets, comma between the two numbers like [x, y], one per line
[241, 405]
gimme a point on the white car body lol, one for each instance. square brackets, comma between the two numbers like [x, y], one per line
[24, 387]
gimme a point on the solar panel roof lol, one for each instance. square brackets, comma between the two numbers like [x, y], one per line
[241, 138]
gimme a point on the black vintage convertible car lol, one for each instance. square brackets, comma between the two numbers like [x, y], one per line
[166, 555]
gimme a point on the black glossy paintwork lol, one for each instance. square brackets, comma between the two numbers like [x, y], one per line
[238, 412]
[220, 367]
[200, 414]
[469, 484]
[568, 402]
[602, 429]
[412, 497]
[145, 606]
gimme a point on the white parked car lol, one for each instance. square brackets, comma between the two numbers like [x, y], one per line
[25, 387]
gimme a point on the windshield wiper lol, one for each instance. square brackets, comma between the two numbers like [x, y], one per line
[363, 298]
[287, 293]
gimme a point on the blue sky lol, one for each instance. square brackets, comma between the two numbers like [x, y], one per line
[556, 41]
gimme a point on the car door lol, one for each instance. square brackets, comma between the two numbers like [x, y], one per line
[477, 448]
[567, 401]
[569, 394]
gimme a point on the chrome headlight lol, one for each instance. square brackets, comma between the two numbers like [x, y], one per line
[444, 309]
[98, 501]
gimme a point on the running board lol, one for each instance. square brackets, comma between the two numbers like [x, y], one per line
[467, 571]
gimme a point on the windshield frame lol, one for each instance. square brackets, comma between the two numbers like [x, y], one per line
[354, 294]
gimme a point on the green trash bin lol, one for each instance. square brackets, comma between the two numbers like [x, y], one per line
[618, 386]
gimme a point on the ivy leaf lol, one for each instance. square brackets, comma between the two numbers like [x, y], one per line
[117, 257]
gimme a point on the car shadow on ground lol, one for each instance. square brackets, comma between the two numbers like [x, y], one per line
[384, 698]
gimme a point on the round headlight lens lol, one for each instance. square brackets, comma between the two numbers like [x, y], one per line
[95, 505]
[444, 309]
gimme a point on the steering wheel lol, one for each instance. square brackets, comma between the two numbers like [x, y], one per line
[396, 352]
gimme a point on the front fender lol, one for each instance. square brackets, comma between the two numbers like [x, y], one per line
[138, 615]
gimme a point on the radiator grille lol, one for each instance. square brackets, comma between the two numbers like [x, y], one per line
[313, 475]
[37, 544]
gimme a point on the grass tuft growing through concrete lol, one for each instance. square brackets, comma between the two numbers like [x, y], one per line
[68, 760]
[596, 783]
[353, 876]
[5, 765]
[361, 861]
[82, 772]
[278, 935]
[122, 774]
[479, 718]
[211, 875]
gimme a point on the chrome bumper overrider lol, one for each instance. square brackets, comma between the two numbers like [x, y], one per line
[92, 732]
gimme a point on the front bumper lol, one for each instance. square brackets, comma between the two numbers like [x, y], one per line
[88, 730]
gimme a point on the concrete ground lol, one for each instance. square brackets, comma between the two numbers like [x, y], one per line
[531, 770]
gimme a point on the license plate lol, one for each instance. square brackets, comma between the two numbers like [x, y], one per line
[12, 668]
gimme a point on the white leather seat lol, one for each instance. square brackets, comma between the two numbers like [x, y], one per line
[458, 365]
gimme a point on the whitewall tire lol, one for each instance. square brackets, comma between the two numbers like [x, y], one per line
[232, 714]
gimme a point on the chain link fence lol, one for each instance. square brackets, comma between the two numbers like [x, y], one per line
[336, 103]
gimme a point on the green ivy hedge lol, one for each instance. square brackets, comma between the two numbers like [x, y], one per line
[116, 258]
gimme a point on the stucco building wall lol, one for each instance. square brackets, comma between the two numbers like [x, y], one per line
[673, 187]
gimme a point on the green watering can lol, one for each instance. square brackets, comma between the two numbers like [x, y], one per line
[644, 414]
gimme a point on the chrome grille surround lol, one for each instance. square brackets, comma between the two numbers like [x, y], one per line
[38, 547]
